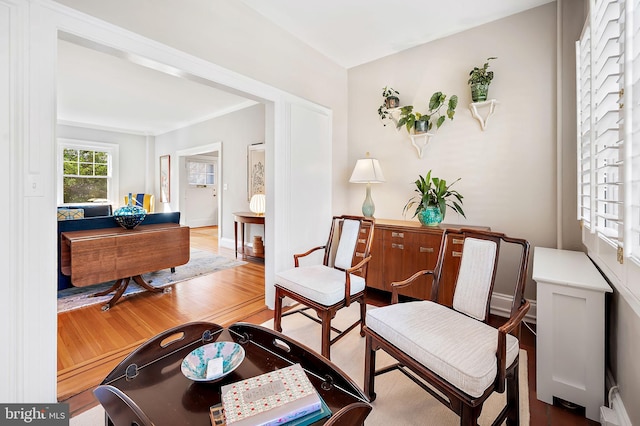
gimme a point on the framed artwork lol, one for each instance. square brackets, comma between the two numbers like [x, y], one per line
[255, 170]
[165, 179]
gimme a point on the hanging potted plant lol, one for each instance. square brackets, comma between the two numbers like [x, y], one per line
[391, 101]
[424, 122]
[434, 196]
[479, 80]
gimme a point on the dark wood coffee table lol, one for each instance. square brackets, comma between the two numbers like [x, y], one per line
[152, 383]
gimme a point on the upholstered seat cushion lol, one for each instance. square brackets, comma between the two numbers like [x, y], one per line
[319, 283]
[423, 330]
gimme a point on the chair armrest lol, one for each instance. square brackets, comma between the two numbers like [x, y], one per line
[347, 279]
[501, 351]
[400, 284]
[306, 253]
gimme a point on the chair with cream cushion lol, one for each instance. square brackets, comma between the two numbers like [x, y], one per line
[336, 283]
[454, 349]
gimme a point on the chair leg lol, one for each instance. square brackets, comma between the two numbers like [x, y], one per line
[326, 334]
[363, 314]
[277, 314]
[369, 369]
[513, 396]
[469, 415]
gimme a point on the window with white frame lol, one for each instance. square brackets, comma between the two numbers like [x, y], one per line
[86, 172]
[201, 172]
[608, 105]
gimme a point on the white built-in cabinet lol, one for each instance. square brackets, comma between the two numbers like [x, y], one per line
[570, 350]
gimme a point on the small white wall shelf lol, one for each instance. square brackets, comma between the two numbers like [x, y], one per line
[418, 140]
[488, 105]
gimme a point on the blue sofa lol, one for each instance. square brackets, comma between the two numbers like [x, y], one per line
[100, 222]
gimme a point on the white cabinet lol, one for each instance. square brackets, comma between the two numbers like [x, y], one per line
[570, 329]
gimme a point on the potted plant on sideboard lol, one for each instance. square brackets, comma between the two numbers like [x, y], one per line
[479, 80]
[434, 196]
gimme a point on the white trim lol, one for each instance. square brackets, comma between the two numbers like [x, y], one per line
[615, 401]
[501, 306]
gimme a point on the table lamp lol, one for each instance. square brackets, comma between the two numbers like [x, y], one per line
[367, 170]
[257, 204]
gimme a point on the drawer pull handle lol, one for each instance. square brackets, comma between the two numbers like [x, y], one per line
[397, 234]
[426, 249]
[398, 246]
[458, 241]
[456, 254]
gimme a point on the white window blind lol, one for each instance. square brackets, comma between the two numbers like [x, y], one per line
[583, 88]
[607, 143]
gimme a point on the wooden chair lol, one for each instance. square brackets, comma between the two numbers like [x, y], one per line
[336, 283]
[454, 350]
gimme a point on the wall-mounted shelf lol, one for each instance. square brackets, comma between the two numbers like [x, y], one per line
[488, 105]
[418, 140]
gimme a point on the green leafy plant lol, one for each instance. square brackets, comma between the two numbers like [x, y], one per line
[438, 100]
[434, 192]
[481, 75]
[383, 110]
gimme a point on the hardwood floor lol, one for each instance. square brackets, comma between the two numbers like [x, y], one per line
[91, 342]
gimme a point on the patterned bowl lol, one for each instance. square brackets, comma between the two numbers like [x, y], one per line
[194, 365]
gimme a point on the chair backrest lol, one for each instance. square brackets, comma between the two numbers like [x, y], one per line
[146, 201]
[478, 268]
[349, 241]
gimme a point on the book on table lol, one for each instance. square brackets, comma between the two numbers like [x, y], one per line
[275, 398]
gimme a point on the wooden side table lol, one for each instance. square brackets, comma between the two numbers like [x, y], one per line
[570, 329]
[242, 218]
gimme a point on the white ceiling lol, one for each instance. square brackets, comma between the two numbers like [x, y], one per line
[132, 98]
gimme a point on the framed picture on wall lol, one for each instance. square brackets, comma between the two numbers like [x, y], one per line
[255, 170]
[165, 179]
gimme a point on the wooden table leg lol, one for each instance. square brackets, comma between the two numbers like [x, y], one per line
[235, 235]
[121, 285]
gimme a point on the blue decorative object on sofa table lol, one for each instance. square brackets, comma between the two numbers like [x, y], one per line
[129, 216]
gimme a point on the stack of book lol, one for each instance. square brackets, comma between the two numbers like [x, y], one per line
[280, 397]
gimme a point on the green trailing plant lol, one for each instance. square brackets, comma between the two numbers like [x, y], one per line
[481, 75]
[388, 93]
[433, 116]
[434, 192]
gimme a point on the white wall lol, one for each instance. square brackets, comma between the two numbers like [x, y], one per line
[235, 131]
[133, 157]
[508, 170]
[234, 36]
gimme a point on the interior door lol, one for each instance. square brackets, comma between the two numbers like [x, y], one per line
[201, 192]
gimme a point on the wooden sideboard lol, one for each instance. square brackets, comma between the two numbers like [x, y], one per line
[402, 248]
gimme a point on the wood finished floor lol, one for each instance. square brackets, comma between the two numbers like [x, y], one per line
[91, 342]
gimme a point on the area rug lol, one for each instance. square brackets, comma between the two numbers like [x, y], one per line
[200, 263]
[399, 401]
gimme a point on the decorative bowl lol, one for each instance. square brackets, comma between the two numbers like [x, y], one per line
[194, 365]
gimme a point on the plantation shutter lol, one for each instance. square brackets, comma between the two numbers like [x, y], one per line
[632, 165]
[607, 143]
[583, 82]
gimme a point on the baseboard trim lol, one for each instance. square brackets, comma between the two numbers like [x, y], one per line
[501, 306]
[615, 401]
[226, 243]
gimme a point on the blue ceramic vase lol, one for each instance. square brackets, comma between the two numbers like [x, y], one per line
[430, 216]
[129, 216]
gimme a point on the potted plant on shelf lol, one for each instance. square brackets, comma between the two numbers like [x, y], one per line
[424, 122]
[433, 199]
[479, 80]
[391, 101]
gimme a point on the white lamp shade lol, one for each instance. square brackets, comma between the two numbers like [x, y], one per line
[257, 204]
[367, 170]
